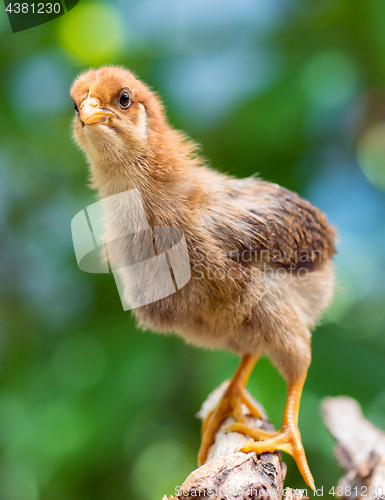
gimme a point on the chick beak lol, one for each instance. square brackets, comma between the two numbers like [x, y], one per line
[90, 112]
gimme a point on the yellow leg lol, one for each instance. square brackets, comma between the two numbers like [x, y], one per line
[287, 439]
[230, 404]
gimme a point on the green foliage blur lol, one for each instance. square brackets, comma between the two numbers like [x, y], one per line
[91, 408]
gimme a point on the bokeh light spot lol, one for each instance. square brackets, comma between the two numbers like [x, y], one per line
[371, 155]
[18, 481]
[79, 360]
[44, 78]
[160, 468]
[330, 79]
[62, 430]
[92, 33]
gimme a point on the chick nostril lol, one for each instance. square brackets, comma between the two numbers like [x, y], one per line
[90, 101]
[93, 102]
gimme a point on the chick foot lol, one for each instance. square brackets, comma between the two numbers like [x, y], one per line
[287, 439]
[230, 404]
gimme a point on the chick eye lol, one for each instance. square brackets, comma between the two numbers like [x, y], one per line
[125, 99]
[76, 108]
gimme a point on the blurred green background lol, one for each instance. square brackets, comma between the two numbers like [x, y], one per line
[92, 408]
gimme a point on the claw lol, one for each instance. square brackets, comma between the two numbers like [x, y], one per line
[230, 404]
[287, 439]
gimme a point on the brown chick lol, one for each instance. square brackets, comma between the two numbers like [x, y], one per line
[260, 256]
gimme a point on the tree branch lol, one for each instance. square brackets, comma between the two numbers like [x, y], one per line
[231, 475]
[360, 449]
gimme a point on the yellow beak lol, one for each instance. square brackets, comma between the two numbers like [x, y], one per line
[90, 112]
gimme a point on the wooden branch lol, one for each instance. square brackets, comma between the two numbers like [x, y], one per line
[360, 449]
[231, 475]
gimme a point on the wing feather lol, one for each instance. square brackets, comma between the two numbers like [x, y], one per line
[276, 224]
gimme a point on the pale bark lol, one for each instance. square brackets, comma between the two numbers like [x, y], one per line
[232, 475]
[360, 449]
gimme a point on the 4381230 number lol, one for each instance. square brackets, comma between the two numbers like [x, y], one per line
[39, 8]
[357, 491]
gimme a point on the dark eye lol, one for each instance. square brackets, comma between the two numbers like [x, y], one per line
[76, 108]
[125, 99]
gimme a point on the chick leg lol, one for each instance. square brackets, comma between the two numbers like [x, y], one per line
[288, 438]
[230, 404]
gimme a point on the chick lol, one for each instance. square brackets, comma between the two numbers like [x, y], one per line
[260, 256]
